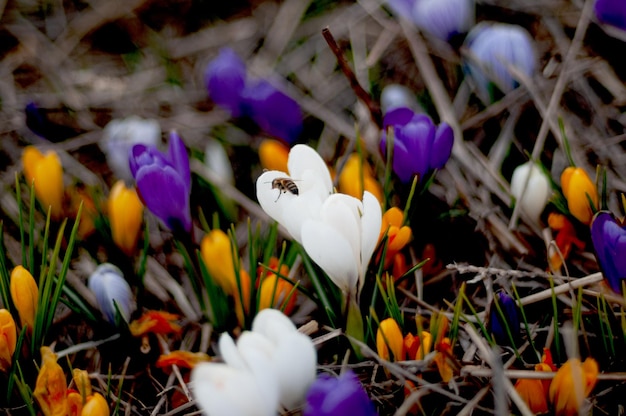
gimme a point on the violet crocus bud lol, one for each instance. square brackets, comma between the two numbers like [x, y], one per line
[274, 111]
[108, 284]
[444, 18]
[225, 78]
[493, 47]
[608, 235]
[164, 182]
[419, 146]
[510, 313]
[611, 12]
[337, 396]
[120, 135]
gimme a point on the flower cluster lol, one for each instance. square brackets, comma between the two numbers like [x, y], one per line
[271, 365]
[229, 86]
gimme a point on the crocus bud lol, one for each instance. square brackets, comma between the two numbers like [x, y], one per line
[125, 216]
[108, 284]
[495, 46]
[216, 159]
[337, 396]
[395, 96]
[275, 112]
[419, 147]
[25, 294]
[46, 172]
[8, 338]
[578, 190]
[509, 319]
[273, 155]
[51, 386]
[225, 79]
[608, 235]
[120, 135]
[276, 292]
[572, 384]
[389, 338]
[398, 235]
[164, 182]
[351, 175]
[611, 12]
[444, 18]
[537, 191]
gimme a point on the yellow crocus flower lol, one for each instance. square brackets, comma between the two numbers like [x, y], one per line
[8, 338]
[217, 253]
[25, 293]
[51, 386]
[389, 337]
[578, 189]
[350, 179]
[96, 405]
[273, 155]
[572, 384]
[125, 216]
[46, 172]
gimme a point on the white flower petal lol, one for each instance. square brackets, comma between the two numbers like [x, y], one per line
[295, 365]
[220, 390]
[230, 353]
[343, 213]
[303, 158]
[371, 221]
[332, 252]
[273, 324]
[537, 191]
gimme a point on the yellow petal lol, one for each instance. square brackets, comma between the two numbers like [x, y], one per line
[24, 293]
[96, 405]
[273, 155]
[51, 386]
[46, 172]
[8, 338]
[389, 337]
[125, 216]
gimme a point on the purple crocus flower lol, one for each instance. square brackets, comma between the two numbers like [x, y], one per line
[611, 12]
[511, 315]
[338, 396]
[164, 181]
[225, 78]
[419, 147]
[275, 112]
[608, 236]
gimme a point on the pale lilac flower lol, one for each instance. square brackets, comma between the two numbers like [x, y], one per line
[108, 284]
[444, 18]
[493, 47]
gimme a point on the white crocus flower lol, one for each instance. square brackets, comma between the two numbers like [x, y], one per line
[537, 192]
[342, 239]
[108, 284]
[279, 359]
[120, 135]
[223, 390]
[310, 175]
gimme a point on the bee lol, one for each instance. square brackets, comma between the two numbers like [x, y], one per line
[285, 185]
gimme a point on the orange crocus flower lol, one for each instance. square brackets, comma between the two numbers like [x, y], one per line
[156, 322]
[183, 359]
[8, 338]
[389, 337]
[398, 235]
[572, 384]
[578, 189]
[51, 386]
[276, 292]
